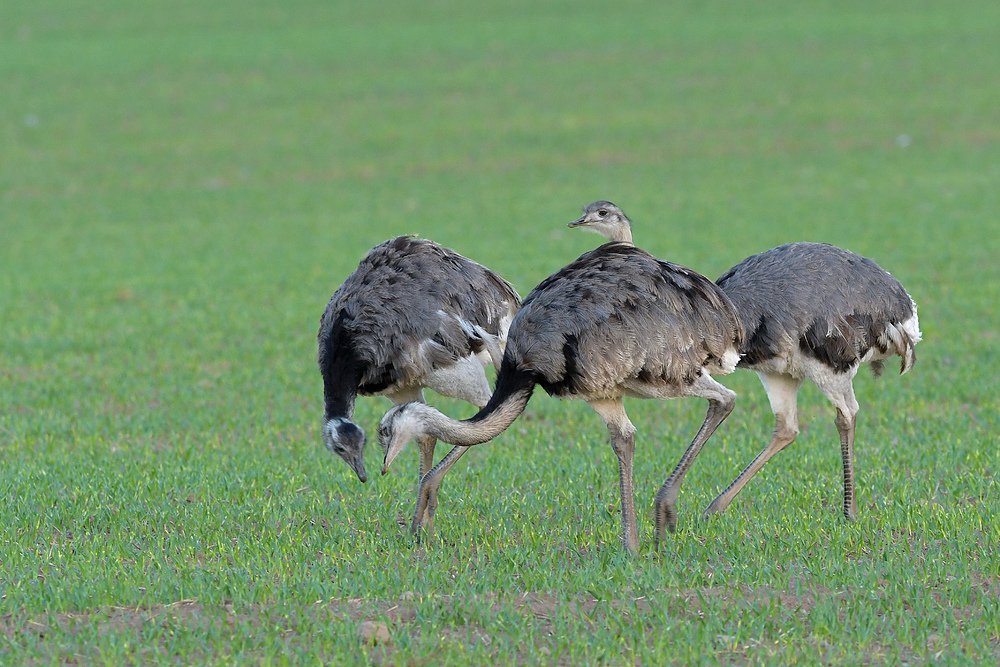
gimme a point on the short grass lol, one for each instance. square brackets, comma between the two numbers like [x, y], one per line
[183, 185]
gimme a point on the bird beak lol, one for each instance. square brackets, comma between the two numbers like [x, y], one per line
[579, 222]
[357, 464]
[391, 452]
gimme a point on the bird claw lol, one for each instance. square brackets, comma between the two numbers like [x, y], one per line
[666, 518]
[713, 508]
[423, 517]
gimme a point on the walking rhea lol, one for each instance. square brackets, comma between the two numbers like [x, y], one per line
[810, 311]
[616, 322]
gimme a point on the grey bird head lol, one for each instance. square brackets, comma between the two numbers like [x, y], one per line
[346, 439]
[398, 427]
[607, 220]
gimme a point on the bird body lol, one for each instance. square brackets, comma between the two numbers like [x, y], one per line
[621, 322]
[413, 315]
[818, 312]
[818, 301]
[616, 322]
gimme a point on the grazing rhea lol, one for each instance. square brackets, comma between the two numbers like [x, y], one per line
[809, 310]
[413, 315]
[616, 322]
[815, 311]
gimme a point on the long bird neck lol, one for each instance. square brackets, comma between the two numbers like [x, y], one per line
[620, 234]
[512, 393]
[338, 397]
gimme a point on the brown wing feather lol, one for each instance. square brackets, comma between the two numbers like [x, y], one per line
[617, 314]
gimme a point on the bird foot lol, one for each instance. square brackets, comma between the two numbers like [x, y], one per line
[662, 526]
[422, 533]
[715, 507]
[666, 517]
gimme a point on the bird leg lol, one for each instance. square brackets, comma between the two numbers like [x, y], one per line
[624, 445]
[783, 436]
[721, 402]
[622, 434]
[845, 424]
[426, 445]
[782, 391]
[427, 492]
[839, 388]
[466, 381]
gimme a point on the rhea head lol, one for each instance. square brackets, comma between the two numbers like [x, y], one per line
[346, 439]
[607, 220]
[399, 426]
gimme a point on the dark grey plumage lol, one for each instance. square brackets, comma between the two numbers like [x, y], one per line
[413, 315]
[620, 320]
[616, 322]
[836, 306]
[814, 311]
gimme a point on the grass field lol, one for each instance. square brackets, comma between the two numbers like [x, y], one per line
[183, 185]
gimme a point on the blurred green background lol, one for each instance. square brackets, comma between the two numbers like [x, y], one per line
[183, 185]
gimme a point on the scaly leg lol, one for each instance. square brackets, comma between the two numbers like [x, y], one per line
[845, 424]
[839, 388]
[622, 434]
[426, 445]
[781, 391]
[427, 492]
[466, 381]
[721, 401]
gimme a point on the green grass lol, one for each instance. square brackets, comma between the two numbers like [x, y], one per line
[183, 185]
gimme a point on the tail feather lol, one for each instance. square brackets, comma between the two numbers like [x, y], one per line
[896, 338]
[909, 356]
[909, 336]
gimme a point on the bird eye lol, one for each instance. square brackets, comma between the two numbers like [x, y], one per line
[602, 213]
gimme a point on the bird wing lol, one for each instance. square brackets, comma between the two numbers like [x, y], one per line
[831, 303]
[618, 314]
[411, 307]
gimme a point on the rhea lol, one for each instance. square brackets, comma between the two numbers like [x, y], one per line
[810, 311]
[413, 315]
[616, 322]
